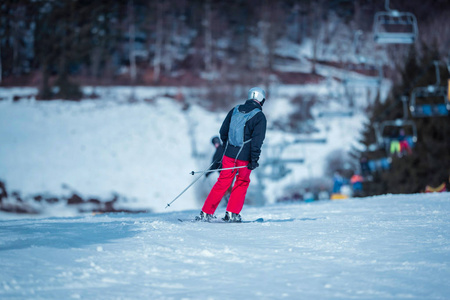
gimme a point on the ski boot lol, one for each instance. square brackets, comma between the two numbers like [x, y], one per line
[232, 217]
[204, 217]
[236, 218]
[227, 217]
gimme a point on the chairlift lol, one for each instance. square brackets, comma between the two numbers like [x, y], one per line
[335, 114]
[337, 111]
[277, 169]
[379, 164]
[376, 162]
[394, 27]
[387, 137]
[364, 72]
[274, 167]
[383, 144]
[400, 123]
[310, 141]
[435, 98]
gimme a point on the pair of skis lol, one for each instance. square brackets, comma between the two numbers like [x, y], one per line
[259, 220]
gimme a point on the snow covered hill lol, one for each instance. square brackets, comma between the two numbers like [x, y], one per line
[95, 148]
[386, 247]
[142, 151]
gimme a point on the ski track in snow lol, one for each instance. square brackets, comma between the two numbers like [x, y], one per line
[385, 247]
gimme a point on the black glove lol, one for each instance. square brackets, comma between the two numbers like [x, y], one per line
[253, 165]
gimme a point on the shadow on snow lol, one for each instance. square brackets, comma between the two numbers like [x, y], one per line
[63, 234]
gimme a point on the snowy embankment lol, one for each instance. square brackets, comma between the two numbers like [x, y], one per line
[386, 247]
[97, 148]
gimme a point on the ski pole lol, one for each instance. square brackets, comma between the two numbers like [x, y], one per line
[203, 173]
[168, 204]
[208, 171]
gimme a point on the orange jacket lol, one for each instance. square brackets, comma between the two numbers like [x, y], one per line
[356, 178]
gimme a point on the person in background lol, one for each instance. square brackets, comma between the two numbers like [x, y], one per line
[357, 184]
[338, 181]
[395, 144]
[365, 169]
[216, 163]
[404, 145]
[217, 157]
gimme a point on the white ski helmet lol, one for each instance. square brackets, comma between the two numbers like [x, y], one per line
[257, 93]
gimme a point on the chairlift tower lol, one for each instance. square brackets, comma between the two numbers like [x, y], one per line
[394, 27]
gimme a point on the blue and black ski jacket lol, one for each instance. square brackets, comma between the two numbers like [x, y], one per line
[254, 133]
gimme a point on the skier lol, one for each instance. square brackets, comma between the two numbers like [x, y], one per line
[338, 182]
[242, 132]
[395, 145]
[217, 157]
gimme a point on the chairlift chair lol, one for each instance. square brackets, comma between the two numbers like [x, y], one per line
[371, 74]
[380, 164]
[435, 98]
[336, 112]
[394, 27]
[372, 80]
[274, 167]
[398, 123]
[275, 170]
[429, 109]
[377, 163]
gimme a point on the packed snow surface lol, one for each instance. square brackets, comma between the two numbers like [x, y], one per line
[385, 247]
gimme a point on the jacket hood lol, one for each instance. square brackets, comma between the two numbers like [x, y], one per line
[249, 105]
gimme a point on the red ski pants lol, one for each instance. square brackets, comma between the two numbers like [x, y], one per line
[238, 192]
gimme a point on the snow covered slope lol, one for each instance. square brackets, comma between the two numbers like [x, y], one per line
[386, 247]
[97, 148]
[142, 150]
